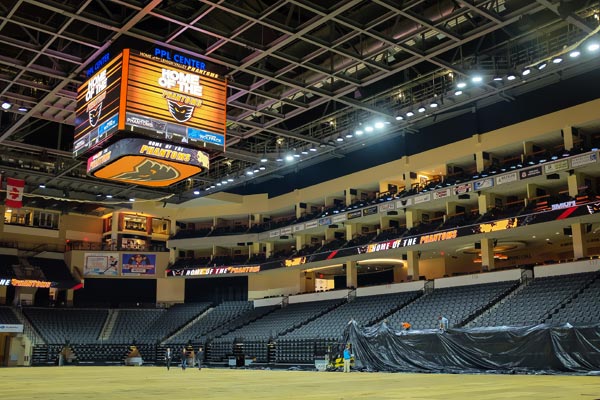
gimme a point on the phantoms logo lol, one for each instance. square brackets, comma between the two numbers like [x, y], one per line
[149, 171]
[95, 95]
[183, 93]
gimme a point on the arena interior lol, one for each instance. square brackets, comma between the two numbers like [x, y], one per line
[361, 171]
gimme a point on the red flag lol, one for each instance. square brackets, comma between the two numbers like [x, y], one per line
[14, 192]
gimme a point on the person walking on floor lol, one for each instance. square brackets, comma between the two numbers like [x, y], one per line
[200, 357]
[168, 357]
[183, 358]
[347, 358]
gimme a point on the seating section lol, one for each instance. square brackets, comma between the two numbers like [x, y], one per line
[57, 326]
[131, 326]
[455, 303]
[171, 320]
[7, 316]
[535, 301]
[583, 309]
[215, 318]
[6, 266]
[365, 310]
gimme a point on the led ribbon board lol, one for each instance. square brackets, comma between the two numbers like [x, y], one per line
[143, 94]
[146, 162]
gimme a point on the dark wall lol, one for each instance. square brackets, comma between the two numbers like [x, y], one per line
[216, 290]
[366, 279]
[116, 291]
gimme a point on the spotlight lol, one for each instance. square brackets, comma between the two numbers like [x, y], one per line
[42, 186]
[229, 179]
[410, 114]
[461, 85]
[557, 60]
[212, 186]
[339, 139]
[399, 118]
[247, 173]
[358, 132]
[379, 125]
[594, 46]
[220, 184]
[289, 157]
[421, 109]
[511, 77]
[262, 168]
[264, 159]
[224, 182]
[305, 152]
[368, 129]
[526, 71]
[477, 79]
[132, 199]
[542, 65]
[296, 155]
[312, 148]
[256, 171]
[574, 54]
[196, 192]
[6, 105]
[349, 135]
[498, 78]
[433, 105]
[23, 109]
[458, 92]
[109, 196]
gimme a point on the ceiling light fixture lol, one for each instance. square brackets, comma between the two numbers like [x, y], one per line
[410, 114]
[526, 71]
[557, 60]
[461, 85]
[458, 92]
[421, 109]
[379, 125]
[477, 79]
[574, 54]
[6, 105]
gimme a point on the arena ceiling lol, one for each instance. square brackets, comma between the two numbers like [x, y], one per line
[301, 74]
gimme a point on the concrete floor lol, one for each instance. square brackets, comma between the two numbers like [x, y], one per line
[106, 383]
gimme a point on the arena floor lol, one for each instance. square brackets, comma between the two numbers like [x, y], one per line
[106, 383]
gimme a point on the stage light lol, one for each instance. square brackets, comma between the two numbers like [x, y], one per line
[461, 85]
[421, 109]
[574, 54]
[379, 125]
[458, 92]
[6, 105]
[557, 60]
[410, 114]
[399, 117]
[542, 65]
[196, 192]
[526, 71]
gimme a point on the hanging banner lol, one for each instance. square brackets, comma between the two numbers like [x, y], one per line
[138, 264]
[106, 263]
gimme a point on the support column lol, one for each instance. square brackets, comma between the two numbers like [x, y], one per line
[483, 202]
[300, 241]
[480, 162]
[70, 295]
[574, 181]
[487, 254]
[349, 197]
[412, 217]
[412, 258]
[350, 230]
[351, 274]
[309, 281]
[270, 247]
[568, 139]
[578, 236]
[399, 273]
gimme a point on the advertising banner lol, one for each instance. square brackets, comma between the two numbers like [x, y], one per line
[138, 264]
[561, 165]
[386, 207]
[246, 269]
[286, 231]
[325, 221]
[507, 178]
[338, 218]
[354, 214]
[311, 224]
[422, 198]
[106, 263]
[441, 194]
[483, 183]
[583, 159]
[298, 228]
[403, 203]
[530, 172]
[369, 210]
[11, 328]
[462, 188]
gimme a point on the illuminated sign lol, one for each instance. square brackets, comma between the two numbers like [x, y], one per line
[295, 261]
[165, 95]
[146, 162]
[30, 283]
[97, 65]
[214, 271]
[564, 204]
[439, 236]
[499, 225]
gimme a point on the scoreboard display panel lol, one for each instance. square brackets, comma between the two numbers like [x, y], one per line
[142, 94]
